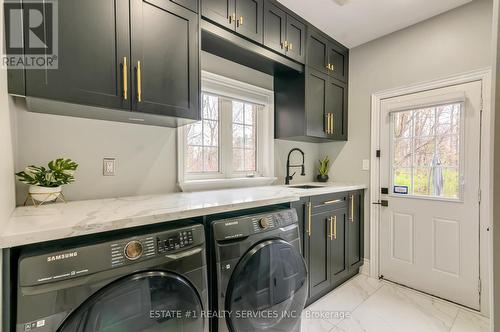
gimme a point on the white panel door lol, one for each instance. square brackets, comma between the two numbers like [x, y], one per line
[429, 178]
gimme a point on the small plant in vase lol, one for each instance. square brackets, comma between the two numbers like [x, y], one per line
[45, 183]
[324, 168]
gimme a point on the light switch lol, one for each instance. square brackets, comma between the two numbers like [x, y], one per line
[109, 167]
[366, 164]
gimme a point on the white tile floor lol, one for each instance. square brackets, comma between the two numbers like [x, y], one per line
[370, 305]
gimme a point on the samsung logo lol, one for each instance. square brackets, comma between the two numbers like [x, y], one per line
[62, 256]
[231, 223]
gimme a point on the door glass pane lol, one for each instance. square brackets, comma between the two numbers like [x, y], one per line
[426, 151]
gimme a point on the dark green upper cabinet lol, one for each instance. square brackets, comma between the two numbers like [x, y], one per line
[296, 39]
[91, 56]
[338, 61]
[274, 27]
[317, 51]
[326, 55]
[336, 106]
[243, 16]
[317, 90]
[283, 33]
[165, 59]
[326, 106]
[221, 12]
[249, 19]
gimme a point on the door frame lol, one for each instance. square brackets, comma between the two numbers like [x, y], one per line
[486, 171]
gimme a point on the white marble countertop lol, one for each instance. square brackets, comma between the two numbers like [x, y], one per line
[62, 220]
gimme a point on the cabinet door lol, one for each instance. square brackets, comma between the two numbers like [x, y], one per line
[165, 59]
[337, 107]
[338, 59]
[221, 12]
[317, 89]
[249, 19]
[296, 39]
[355, 230]
[189, 4]
[338, 238]
[93, 43]
[319, 246]
[317, 51]
[274, 27]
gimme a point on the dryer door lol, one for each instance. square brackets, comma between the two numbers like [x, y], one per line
[146, 301]
[268, 289]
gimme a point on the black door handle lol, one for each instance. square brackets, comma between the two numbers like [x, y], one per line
[383, 202]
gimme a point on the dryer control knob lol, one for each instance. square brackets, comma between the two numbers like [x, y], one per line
[133, 250]
[264, 223]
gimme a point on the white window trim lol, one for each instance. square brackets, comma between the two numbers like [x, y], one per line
[226, 87]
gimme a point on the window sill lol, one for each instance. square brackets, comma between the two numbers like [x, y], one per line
[211, 184]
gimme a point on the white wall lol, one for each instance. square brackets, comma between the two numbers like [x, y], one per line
[452, 43]
[146, 155]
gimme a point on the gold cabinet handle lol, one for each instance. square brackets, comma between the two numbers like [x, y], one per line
[351, 218]
[328, 66]
[335, 201]
[333, 228]
[232, 18]
[240, 21]
[327, 124]
[332, 67]
[125, 78]
[285, 43]
[332, 124]
[309, 218]
[290, 46]
[139, 82]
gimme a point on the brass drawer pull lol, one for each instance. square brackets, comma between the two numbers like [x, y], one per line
[240, 21]
[125, 79]
[290, 46]
[335, 201]
[309, 218]
[332, 126]
[139, 82]
[232, 18]
[352, 209]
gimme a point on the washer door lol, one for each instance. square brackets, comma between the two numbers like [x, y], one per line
[146, 301]
[268, 289]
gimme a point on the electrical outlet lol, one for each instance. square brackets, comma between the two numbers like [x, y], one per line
[366, 164]
[109, 166]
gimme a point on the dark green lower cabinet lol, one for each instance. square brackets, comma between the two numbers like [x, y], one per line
[332, 242]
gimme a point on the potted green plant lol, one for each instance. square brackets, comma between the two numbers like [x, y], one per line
[324, 168]
[45, 183]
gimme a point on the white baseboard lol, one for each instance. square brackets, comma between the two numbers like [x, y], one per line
[365, 268]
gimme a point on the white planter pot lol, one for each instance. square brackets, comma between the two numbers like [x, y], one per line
[45, 194]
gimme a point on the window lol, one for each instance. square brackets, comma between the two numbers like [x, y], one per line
[426, 151]
[232, 141]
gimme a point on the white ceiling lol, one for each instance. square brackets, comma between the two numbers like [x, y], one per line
[359, 21]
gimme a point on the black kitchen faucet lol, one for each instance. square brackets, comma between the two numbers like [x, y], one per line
[288, 166]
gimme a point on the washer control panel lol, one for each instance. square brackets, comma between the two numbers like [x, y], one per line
[175, 241]
[132, 250]
[234, 228]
